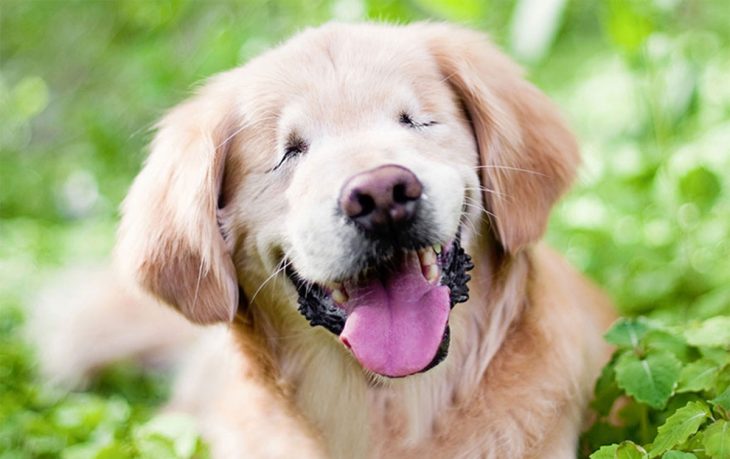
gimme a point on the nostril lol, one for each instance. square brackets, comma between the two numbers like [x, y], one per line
[367, 203]
[399, 194]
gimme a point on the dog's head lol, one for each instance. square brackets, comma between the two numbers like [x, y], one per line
[351, 161]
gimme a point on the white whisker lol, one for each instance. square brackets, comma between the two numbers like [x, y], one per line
[481, 209]
[283, 264]
[510, 168]
[499, 194]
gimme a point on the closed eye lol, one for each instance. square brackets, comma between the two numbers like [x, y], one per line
[294, 147]
[407, 120]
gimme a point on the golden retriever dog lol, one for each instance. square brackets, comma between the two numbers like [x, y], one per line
[362, 207]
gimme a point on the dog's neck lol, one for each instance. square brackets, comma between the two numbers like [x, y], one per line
[337, 396]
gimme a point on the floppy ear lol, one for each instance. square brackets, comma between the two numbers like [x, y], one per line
[528, 156]
[169, 239]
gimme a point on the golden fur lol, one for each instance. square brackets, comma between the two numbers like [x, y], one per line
[206, 215]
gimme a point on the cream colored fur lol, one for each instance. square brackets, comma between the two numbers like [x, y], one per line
[209, 213]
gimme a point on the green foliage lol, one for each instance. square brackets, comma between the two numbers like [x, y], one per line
[671, 400]
[642, 82]
[649, 378]
[679, 426]
[717, 440]
[38, 421]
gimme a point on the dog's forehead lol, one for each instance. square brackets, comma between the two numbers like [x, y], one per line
[339, 73]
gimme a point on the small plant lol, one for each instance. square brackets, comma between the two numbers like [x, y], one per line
[665, 393]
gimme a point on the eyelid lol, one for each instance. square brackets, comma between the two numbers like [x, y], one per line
[408, 120]
[295, 146]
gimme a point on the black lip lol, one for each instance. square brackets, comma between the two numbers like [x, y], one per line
[317, 306]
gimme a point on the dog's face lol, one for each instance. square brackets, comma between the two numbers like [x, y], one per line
[352, 161]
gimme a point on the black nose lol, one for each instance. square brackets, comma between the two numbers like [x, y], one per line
[382, 200]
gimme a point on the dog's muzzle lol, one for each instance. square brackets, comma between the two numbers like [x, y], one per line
[393, 315]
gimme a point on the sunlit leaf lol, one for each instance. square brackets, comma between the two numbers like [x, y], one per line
[698, 376]
[717, 440]
[628, 24]
[605, 452]
[679, 426]
[455, 10]
[630, 450]
[713, 332]
[165, 433]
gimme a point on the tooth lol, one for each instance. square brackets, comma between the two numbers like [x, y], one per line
[339, 296]
[427, 256]
[437, 248]
[431, 273]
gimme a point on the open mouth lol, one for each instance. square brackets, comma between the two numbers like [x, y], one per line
[394, 315]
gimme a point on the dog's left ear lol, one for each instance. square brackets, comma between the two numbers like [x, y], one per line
[170, 242]
[528, 155]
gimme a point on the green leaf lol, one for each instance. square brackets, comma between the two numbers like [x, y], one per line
[698, 376]
[164, 434]
[720, 356]
[662, 340]
[454, 10]
[717, 440]
[713, 332]
[626, 332]
[628, 25]
[679, 426]
[31, 96]
[649, 380]
[695, 444]
[155, 446]
[630, 450]
[701, 186]
[722, 400]
[678, 455]
[605, 452]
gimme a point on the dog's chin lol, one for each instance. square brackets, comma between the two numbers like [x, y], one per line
[393, 315]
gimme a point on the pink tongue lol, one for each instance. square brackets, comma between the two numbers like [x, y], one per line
[395, 324]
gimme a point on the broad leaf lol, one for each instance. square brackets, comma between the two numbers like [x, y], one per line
[649, 380]
[718, 355]
[661, 340]
[679, 426]
[166, 434]
[678, 455]
[717, 440]
[713, 332]
[630, 450]
[698, 376]
[626, 332]
[605, 452]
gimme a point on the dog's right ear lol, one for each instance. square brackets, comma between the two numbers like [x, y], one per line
[169, 239]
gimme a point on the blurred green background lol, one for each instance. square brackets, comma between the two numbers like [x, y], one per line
[645, 84]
